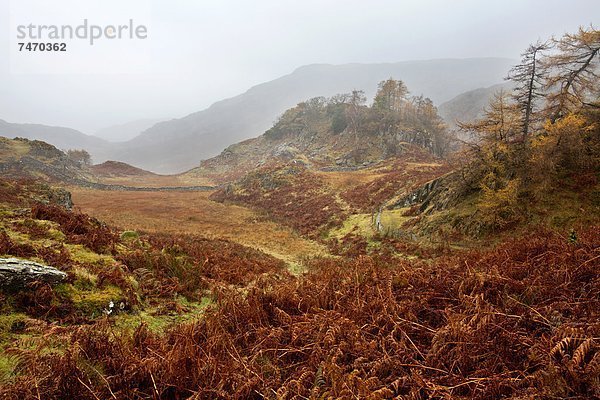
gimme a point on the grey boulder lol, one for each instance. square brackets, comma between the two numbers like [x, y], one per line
[17, 274]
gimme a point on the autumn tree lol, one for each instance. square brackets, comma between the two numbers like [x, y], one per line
[500, 121]
[572, 79]
[313, 111]
[356, 102]
[432, 131]
[495, 160]
[548, 130]
[391, 95]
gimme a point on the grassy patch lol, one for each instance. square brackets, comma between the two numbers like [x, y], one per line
[7, 368]
[90, 302]
[364, 224]
[83, 255]
[158, 321]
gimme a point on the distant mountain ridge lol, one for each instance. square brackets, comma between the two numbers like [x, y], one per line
[179, 144]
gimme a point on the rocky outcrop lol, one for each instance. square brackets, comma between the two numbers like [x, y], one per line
[437, 194]
[61, 197]
[16, 274]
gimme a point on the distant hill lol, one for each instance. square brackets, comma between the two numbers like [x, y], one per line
[322, 134]
[180, 144]
[109, 169]
[62, 138]
[470, 105]
[24, 158]
[127, 131]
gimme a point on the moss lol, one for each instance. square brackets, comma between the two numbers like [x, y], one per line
[7, 321]
[357, 223]
[51, 228]
[296, 268]
[84, 280]
[18, 237]
[129, 235]
[56, 235]
[364, 224]
[133, 282]
[80, 254]
[160, 323]
[9, 324]
[91, 303]
[8, 365]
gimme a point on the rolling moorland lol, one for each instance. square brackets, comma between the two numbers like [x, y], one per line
[353, 250]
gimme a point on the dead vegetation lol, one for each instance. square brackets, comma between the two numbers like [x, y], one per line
[291, 195]
[192, 213]
[518, 321]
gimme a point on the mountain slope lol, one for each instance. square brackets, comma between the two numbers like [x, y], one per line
[119, 169]
[126, 131]
[470, 105]
[179, 144]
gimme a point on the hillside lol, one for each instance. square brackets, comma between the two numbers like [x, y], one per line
[177, 316]
[111, 169]
[469, 106]
[62, 138]
[34, 159]
[318, 203]
[23, 158]
[337, 133]
[126, 131]
[179, 144]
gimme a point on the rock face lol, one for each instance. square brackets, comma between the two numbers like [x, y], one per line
[62, 198]
[15, 274]
[434, 195]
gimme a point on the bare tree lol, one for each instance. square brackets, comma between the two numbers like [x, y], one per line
[529, 79]
[80, 156]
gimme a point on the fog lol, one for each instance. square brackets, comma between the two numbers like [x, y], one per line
[199, 52]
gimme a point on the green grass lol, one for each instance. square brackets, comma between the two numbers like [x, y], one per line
[8, 322]
[90, 302]
[364, 224]
[83, 255]
[7, 368]
[160, 323]
[129, 235]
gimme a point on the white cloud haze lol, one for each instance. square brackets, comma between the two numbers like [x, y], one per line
[204, 51]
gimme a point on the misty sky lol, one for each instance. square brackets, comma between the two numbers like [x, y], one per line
[204, 51]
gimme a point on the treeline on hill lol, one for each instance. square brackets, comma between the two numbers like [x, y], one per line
[543, 136]
[393, 113]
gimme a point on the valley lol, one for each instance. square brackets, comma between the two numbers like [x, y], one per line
[194, 213]
[359, 247]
